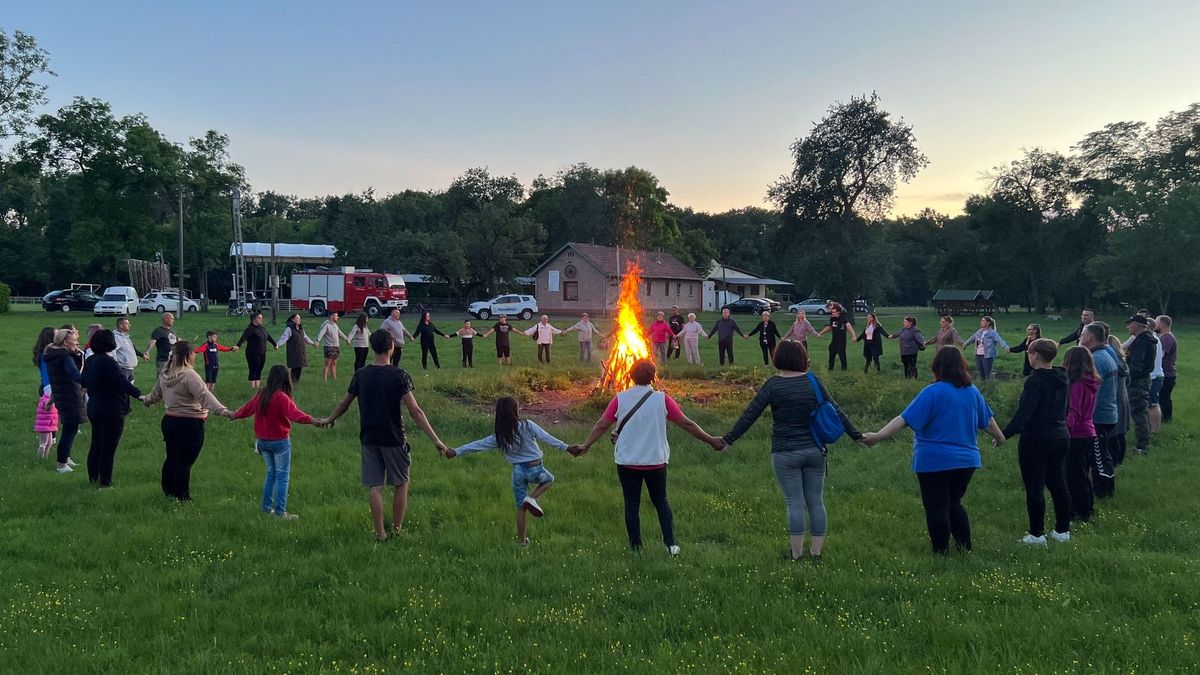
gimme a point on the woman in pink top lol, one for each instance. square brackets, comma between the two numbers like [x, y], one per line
[800, 329]
[1085, 445]
[660, 337]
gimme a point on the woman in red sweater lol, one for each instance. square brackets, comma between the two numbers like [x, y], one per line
[274, 411]
[1085, 446]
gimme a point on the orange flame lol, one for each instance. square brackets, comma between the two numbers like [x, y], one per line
[629, 341]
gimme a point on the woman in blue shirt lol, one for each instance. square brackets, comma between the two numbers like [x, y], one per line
[985, 340]
[945, 418]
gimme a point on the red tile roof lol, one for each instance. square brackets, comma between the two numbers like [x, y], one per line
[655, 264]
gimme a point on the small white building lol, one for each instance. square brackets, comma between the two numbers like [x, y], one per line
[724, 284]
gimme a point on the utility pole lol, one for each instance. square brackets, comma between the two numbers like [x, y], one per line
[274, 280]
[180, 316]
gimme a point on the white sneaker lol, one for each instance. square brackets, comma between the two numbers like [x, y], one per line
[533, 507]
[673, 550]
[1060, 536]
[1034, 541]
[64, 469]
[71, 463]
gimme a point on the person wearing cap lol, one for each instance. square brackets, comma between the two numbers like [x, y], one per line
[1140, 355]
[586, 330]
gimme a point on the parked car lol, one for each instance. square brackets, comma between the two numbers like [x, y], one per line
[166, 301]
[524, 306]
[748, 306]
[810, 306]
[862, 306]
[119, 300]
[69, 300]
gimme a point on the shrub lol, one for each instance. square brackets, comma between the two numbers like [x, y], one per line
[5, 297]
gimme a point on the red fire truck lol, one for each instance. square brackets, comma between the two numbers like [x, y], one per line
[345, 290]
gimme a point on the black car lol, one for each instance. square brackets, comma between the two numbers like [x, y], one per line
[69, 301]
[748, 306]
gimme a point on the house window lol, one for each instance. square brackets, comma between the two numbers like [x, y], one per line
[571, 291]
[691, 290]
[678, 288]
[649, 283]
[667, 288]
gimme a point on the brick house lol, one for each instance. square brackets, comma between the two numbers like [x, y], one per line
[587, 278]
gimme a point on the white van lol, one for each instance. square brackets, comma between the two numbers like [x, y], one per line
[120, 300]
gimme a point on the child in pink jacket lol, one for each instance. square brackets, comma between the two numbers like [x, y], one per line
[1085, 444]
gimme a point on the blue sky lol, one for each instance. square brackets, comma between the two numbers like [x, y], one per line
[321, 97]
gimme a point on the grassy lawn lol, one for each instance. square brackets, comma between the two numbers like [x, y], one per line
[124, 581]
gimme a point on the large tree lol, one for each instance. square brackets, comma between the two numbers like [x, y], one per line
[842, 183]
[22, 65]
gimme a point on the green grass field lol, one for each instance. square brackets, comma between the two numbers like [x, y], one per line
[124, 581]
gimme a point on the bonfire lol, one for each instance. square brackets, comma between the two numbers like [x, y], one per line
[629, 341]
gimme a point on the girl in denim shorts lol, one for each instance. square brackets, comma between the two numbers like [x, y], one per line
[518, 440]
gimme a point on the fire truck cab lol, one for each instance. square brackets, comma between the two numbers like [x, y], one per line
[346, 289]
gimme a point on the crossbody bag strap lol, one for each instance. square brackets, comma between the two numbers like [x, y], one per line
[632, 411]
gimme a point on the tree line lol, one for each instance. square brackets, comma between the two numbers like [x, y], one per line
[1113, 219]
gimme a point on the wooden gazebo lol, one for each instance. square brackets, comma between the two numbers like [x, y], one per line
[955, 301]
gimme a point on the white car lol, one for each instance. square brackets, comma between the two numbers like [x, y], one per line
[810, 306]
[158, 301]
[119, 300]
[524, 306]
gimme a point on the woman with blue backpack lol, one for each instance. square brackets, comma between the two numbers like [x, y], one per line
[806, 420]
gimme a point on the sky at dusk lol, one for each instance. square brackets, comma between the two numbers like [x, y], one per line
[325, 98]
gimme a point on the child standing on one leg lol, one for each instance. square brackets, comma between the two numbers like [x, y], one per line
[274, 411]
[518, 440]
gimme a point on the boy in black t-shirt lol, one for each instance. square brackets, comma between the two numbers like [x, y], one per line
[382, 389]
[503, 351]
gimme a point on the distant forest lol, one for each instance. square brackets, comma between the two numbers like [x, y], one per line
[1115, 218]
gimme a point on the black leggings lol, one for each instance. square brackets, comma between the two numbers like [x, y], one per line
[1043, 467]
[396, 355]
[429, 349]
[468, 351]
[1105, 486]
[360, 357]
[871, 358]
[254, 366]
[656, 485]
[68, 430]
[106, 434]
[724, 348]
[184, 438]
[839, 351]
[941, 494]
[296, 373]
[910, 365]
[1164, 398]
[1079, 481]
[767, 351]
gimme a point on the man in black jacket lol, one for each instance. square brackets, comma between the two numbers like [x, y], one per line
[676, 321]
[1085, 317]
[1140, 357]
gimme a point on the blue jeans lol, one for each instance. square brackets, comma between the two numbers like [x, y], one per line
[277, 455]
[984, 365]
[524, 475]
